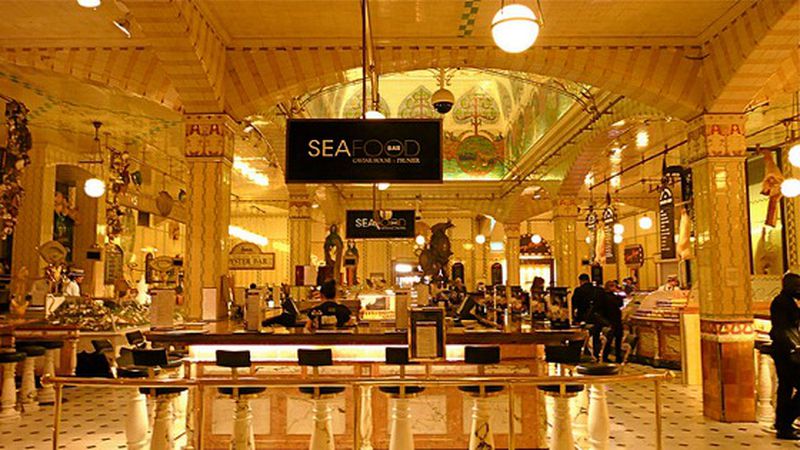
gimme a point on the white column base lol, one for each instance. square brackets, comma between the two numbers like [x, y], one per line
[480, 432]
[599, 423]
[28, 391]
[8, 396]
[136, 421]
[561, 439]
[401, 437]
[243, 438]
[322, 433]
[765, 411]
[163, 423]
[47, 394]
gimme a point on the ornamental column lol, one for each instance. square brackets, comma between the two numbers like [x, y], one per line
[565, 244]
[716, 153]
[209, 155]
[299, 228]
[512, 253]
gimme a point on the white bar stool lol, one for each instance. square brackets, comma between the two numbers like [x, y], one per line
[599, 423]
[164, 435]
[8, 396]
[47, 394]
[401, 436]
[322, 432]
[28, 395]
[562, 355]
[765, 411]
[481, 435]
[243, 438]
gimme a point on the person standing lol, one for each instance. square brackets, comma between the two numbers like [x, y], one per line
[610, 309]
[785, 334]
[73, 288]
[583, 298]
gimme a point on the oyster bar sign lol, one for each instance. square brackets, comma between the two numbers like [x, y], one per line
[356, 150]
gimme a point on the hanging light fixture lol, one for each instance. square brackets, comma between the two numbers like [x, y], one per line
[124, 25]
[374, 114]
[536, 239]
[383, 186]
[642, 138]
[515, 28]
[420, 240]
[95, 187]
[480, 239]
[619, 228]
[588, 239]
[790, 187]
[794, 155]
[618, 239]
[645, 222]
[89, 3]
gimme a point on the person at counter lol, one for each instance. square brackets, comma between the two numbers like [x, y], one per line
[331, 306]
[584, 298]
[672, 284]
[785, 333]
[607, 313]
[73, 287]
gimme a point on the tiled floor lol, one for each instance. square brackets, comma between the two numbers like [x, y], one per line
[94, 419]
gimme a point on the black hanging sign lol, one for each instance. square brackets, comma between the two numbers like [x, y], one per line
[666, 223]
[591, 221]
[393, 224]
[609, 219]
[359, 151]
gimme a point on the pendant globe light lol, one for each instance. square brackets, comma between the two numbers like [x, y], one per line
[790, 187]
[515, 28]
[794, 155]
[95, 187]
[89, 3]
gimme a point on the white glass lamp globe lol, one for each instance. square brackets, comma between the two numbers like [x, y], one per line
[619, 228]
[618, 239]
[536, 239]
[372, 114]
[515, 28]
[480, 239]
[588, 239]
[794, 155]
[790, 187]
[94, 187]
[383, 186]
[645, 223]
[420, 240]
[89, 3]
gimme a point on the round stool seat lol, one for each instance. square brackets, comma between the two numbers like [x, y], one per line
[242, 390]
[49, 345]
[163, 391]
[395, 390]
[11, 357]
[324, 390]
[131, 372]
[476, 390]
[597, 369]
[556, 389]
[32, 350]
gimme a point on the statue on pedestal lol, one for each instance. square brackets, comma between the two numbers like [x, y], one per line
[333, 247]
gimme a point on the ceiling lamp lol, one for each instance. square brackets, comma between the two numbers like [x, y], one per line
[618, 239]
[94, 187]
[645, 223]
[480, 239]
[619, 228]
[515, 28]
[124, 25]
[536, 239]
[790, 187]
[373, 114]
[383, 186]
[89, 3]
[420, 240]
[642, 139]
[794, 155]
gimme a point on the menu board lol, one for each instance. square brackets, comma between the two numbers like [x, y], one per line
[112, 270]
[426, 335]
[666, 224]
[609, 219]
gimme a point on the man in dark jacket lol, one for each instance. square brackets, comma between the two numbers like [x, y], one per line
[583, 298]
[785, 317]
[607, 312]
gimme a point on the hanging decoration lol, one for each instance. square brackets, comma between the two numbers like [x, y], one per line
[13, 160]
[771, 187]
[118, 180]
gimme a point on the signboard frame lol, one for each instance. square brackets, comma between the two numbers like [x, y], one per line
[666, 224]
[245, 249]
[429, 319]
[352, 232]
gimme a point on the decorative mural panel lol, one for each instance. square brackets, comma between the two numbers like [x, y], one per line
[352, 109]
[476, 106]
[417, 105]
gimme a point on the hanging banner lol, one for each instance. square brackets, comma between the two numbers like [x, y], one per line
[392, 224]
[609, 219]
[358, 151]
[666, 223]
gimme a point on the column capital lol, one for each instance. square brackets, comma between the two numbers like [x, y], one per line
[565, 207]
[209, 136]
[716, 135]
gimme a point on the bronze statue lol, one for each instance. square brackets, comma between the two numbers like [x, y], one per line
[435, 257]
[334, 245]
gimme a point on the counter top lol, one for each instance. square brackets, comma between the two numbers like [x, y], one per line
[221, 333]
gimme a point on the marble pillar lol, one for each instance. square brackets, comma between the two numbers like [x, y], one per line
[299, 228]
[512, 253]
[209, 155]
[721, 266]
[565, 244]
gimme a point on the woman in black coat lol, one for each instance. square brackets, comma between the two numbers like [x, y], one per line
[785, 317]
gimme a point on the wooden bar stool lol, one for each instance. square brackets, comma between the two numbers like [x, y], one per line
[8, 396]
[28, 397]
[47, 394]
[480, 434]
[164, 422]
[322, 433]
[243, 438]
[401, 435]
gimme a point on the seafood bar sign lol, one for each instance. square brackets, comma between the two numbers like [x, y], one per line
[363, 151]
